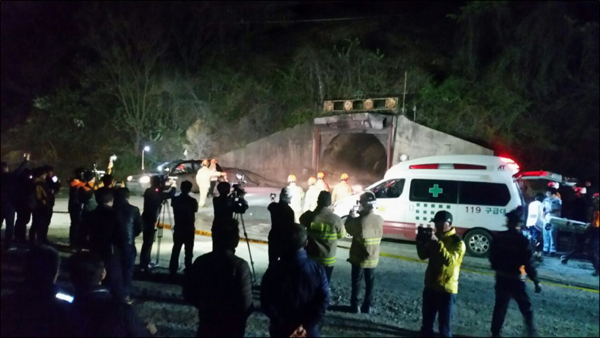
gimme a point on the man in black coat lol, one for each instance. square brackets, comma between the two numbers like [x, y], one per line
[509, 253]
[130, 226]
[95, 313]
[8, 209]
[282, 217]
[106, 241]
[35, 310]
[154, 197]
[223, 205]
[185, 208]
[219, 285]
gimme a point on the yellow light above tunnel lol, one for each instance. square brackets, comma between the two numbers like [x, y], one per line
[368, 104]
[348, 105]
[328, 106]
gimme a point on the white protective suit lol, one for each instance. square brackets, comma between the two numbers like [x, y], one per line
[296, 196]
[322, 186]
[203, 179]
[311, 199]
[341, 191]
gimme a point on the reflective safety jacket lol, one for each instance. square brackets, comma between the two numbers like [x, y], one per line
[324, 230]
[445, 259]
[367, 232]
[204, 177]
[341, 191]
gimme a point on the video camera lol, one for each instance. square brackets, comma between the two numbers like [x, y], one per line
[240, 205]
[424, 234]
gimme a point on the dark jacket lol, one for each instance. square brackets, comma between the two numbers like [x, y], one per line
[35, 312]
[295, 293]
[282, 215]
[96, 314]
[510, 252]
[223, 206]
[105, 237]
[8, 188]
[185, 208]
[130, 223]
[219, 285]
[53, 188]
[153, 200]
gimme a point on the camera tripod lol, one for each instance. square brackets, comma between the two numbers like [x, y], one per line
[240, 218]
[164, 215]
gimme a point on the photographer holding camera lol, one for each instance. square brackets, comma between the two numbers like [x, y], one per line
[445, 251]
[223, 205]
[154, 197]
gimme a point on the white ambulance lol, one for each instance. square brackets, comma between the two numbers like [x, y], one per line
[477, 190]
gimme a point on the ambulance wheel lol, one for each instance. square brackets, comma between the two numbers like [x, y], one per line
[478, 243]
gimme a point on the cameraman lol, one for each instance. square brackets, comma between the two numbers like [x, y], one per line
[282, 216]
[185, 208]
[154, 197]
[223, 205]
[445, 251]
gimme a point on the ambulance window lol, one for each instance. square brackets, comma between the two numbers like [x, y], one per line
[434, 191]
[488, 194]
[389, 189]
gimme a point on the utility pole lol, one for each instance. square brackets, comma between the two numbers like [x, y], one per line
[404, 98]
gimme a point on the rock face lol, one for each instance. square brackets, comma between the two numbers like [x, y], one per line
[338, 145]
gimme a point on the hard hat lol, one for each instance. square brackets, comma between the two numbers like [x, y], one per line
[554, 185]
[214, 160]
[312, 181]
[205, 163]
[292, 179]
[344, 177]
[321, 176]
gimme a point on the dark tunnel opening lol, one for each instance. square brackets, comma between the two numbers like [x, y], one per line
[362, 156]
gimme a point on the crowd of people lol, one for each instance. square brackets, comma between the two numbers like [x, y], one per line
[295, 290]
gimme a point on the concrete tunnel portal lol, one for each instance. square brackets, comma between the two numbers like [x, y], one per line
[362, 156]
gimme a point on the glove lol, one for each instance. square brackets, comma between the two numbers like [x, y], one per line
[538, 288]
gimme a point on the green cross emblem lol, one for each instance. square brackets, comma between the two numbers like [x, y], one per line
[436, 191]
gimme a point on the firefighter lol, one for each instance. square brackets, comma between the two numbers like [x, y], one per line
[312, 195]
[342, 190]
[511, 257]
[366, 229]
[204, 179]
[296, 196]
[321, 184]
[324, 230]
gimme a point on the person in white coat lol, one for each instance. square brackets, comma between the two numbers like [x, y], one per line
[535, 224]
[297, 195]
[321, 184]
[312, 195]
[204, 179]
[342, 190]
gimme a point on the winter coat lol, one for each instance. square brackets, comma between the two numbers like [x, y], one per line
[511, 256]
[341, 191]
[366, 232]
[130, 223]
[324, 230]
[294, 293]
[219, 285]
[311, 198]
[445, 259]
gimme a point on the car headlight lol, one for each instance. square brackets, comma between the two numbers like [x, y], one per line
[129, 178]
[145, 180]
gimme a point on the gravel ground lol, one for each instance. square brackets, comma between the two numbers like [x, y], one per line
[560, 311]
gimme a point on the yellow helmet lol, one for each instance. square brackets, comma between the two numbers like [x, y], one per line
[344, 177]
[312, 181]
[214, 161]
[321, 175]
[292, 179]
[205, 163]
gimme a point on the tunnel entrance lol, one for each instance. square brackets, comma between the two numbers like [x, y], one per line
[362, 156]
